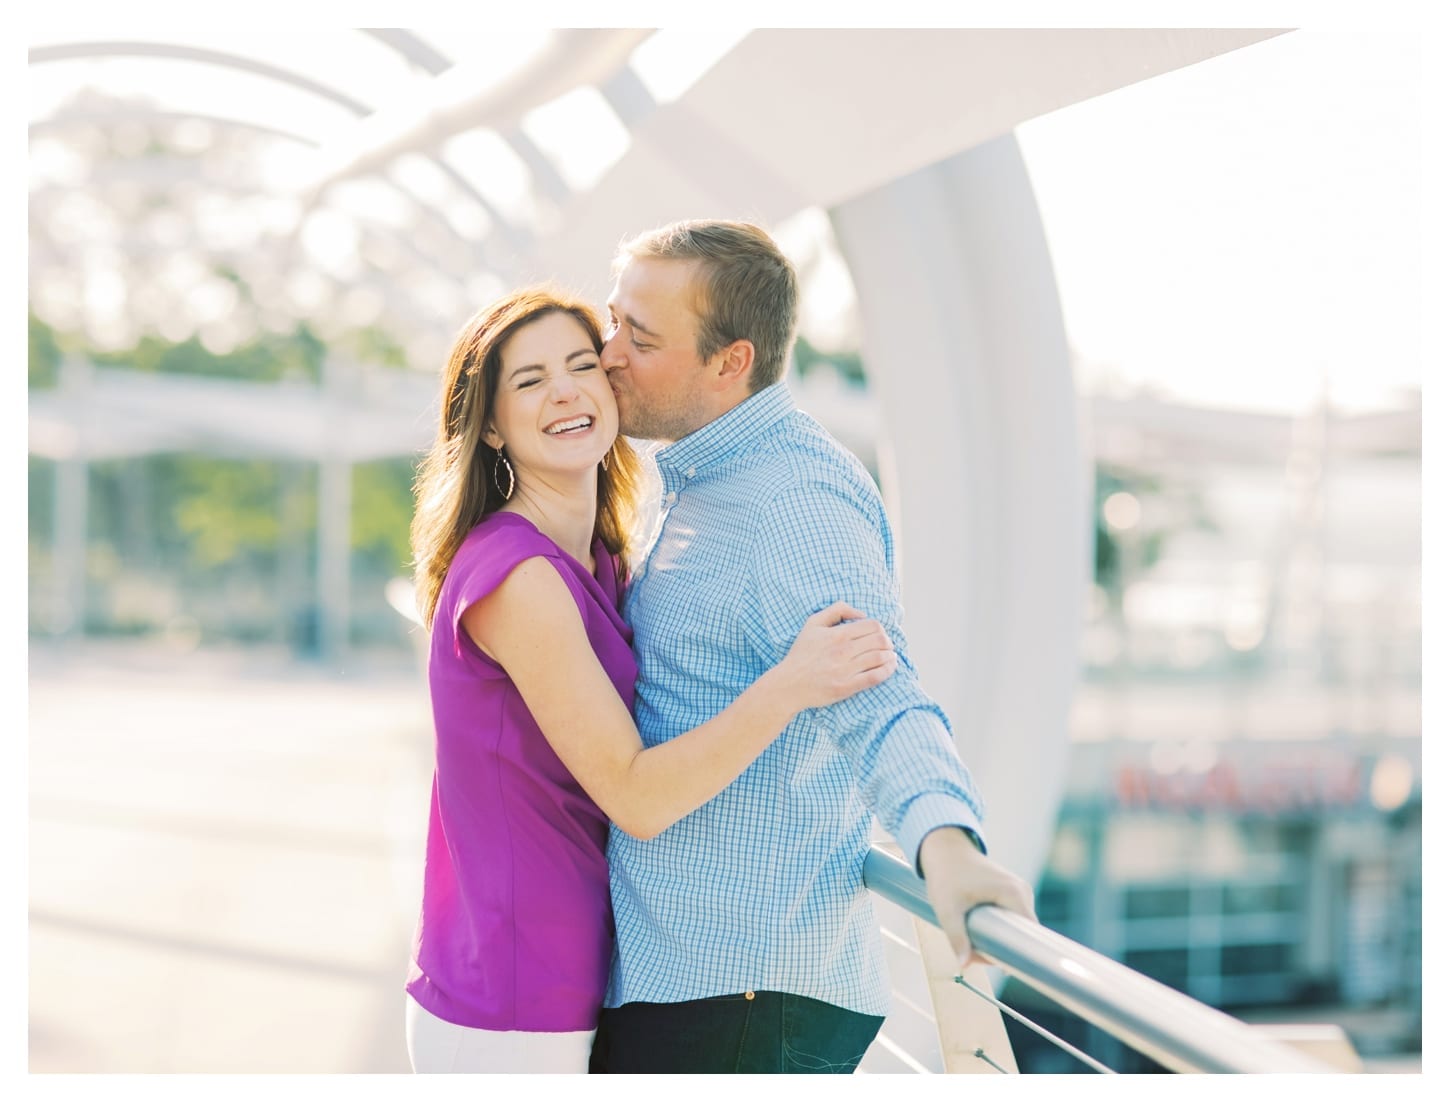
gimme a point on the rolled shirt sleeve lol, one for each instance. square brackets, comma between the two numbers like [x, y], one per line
[818, 543]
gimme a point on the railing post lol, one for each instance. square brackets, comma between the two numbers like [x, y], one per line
[1166, 1025]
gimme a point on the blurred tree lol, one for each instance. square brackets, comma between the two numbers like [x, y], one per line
[268, 358]
[807, 358]
[45, 352]
[376, 346]
[382, 510]
[225, 511]
[1127, 553]
[233, 540]
[1108, 565]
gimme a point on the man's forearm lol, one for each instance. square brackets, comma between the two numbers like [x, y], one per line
[907, 767]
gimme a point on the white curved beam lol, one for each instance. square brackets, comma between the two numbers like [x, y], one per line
[790, 119]
[464, 98]
[119, 113]
[72, 51]
[161, 172]
[410, 46]
[965, 347]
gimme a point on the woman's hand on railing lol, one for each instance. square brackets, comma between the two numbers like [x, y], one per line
[959, 877]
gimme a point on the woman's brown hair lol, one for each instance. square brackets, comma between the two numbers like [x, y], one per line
[454, 489]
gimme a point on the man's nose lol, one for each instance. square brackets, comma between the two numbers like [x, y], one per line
[611, 356]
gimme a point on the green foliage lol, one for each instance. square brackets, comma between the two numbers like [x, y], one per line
[1108, 549]
[807, 358]
[268, 358]
[225, 510]
[230, 542]
[382, 510]
[1183, 505]
[374, 345]
[39, 500]
[45, 352]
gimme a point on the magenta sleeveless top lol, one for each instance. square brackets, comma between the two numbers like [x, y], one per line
[516, 929]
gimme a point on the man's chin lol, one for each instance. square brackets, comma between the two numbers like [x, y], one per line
[629, 426]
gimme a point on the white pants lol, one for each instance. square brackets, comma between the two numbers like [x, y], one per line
[438, 1046]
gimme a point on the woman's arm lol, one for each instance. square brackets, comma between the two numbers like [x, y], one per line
[531, 626]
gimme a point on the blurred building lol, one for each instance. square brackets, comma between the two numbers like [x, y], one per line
[1242, 819]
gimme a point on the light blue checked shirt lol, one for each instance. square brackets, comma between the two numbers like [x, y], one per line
[766, 519]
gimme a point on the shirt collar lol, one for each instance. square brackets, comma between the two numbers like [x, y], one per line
[728, 434]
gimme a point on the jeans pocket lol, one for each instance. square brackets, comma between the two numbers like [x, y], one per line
[820, 1039]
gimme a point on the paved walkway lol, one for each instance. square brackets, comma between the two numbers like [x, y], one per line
[224, 855]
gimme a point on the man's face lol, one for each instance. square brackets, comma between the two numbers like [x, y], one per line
[650, 352]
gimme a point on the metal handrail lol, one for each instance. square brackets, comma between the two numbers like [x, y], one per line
[1168, 1026]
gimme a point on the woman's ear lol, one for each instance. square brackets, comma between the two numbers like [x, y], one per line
[492, 439]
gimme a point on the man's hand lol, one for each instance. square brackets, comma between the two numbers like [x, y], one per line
[959, 877]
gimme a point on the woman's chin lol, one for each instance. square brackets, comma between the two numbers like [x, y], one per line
[567, 470]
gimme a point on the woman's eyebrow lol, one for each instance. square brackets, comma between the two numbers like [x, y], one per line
[540, 367]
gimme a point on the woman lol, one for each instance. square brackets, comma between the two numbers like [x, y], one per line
[519, 540]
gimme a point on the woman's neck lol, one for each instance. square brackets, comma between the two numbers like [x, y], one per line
[567, 518]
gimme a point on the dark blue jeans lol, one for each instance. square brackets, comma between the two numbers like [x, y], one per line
[756, 1032]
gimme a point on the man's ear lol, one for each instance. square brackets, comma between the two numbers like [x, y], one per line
[737, 359]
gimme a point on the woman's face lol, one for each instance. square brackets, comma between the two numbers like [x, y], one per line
[554, 411]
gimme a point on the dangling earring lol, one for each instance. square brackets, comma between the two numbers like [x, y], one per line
[498, 482]
[605, 461]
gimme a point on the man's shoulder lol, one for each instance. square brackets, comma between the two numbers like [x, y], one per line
[798, 477]
[821, 463]
[800, 451]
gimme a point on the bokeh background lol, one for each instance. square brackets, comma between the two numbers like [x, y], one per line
[236, 322]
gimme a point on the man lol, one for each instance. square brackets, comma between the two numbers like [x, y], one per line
[745, 937]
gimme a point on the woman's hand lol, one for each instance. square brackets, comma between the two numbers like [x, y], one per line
[837, 654]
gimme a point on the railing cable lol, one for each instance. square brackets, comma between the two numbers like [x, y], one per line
[1096, 1065]
[981, 1054]
[1163, 1024]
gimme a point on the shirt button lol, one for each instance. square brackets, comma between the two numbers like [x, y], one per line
[749, 995]
[670, 498]
[690, 473]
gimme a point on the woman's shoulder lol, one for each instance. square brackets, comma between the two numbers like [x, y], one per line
[492, 550]
[506, 537]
